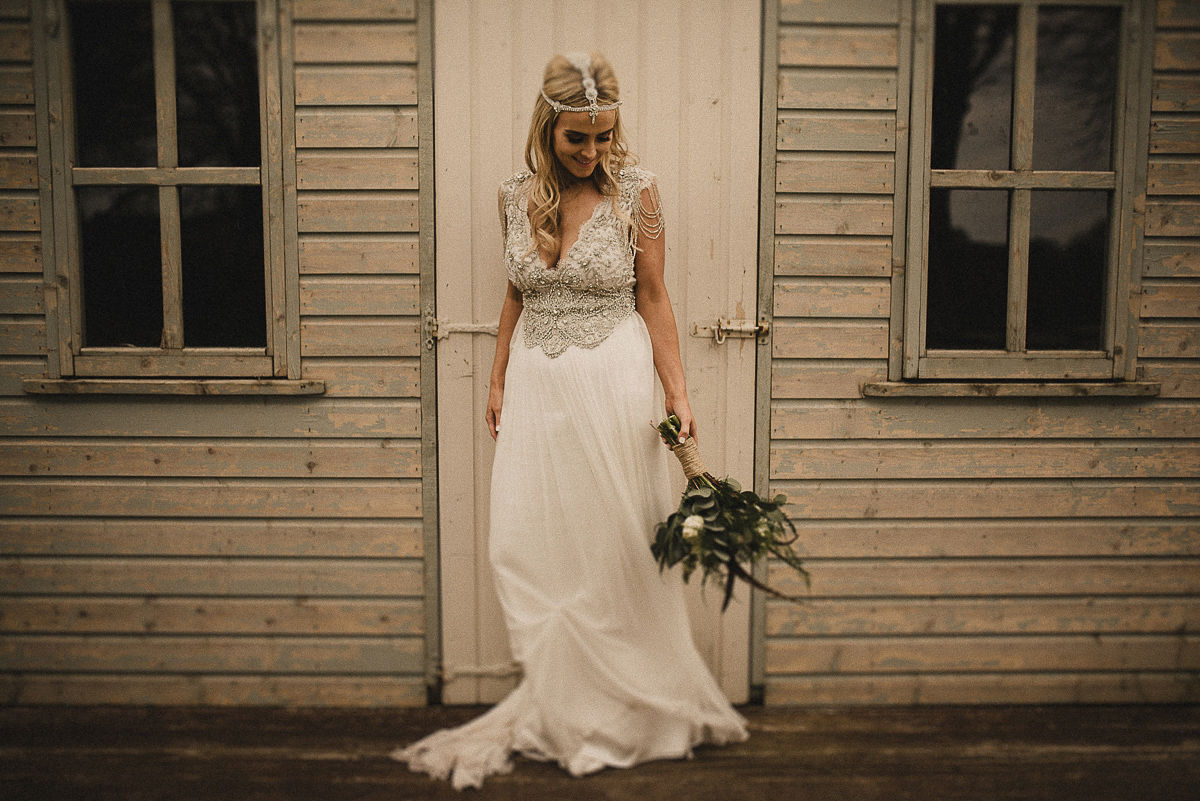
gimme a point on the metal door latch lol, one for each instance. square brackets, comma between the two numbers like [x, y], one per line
[738, 329]
[434, 329]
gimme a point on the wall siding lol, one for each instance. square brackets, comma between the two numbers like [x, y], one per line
[970, 550]
[236, 550]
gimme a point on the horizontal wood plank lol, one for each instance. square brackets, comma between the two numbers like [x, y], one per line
[908, 499]
[986, 654]
[20, 253]
[840, 215]
[864, 12]
[985, 459]
[211, 497]
[215, 690]
[836, 131]
[832, 46]
[272, 458]
[16, 85]
[1084, 687]
[850, 89]
[361, 254]
[1177, 14]
[363, 169]
[1173, 177]
[21, 294]
[833, 255]
[367, 127]
[1175, 299]
[939, 616]
[1171, 259]
[359, 295]
[1169, 341]
[952, 539]
[363, 378]
[988, 578]
[367, 211]
[832, 297]
[342, 85]
[16, 40]
[125, 363]
[355, 43]
[826, 339]
[1179, 378]
[353, 9]
[824, 378]
[22, 335]
[1174, 133]
[18, 171]
[866, 173]
[1175, 93]
[208, 387]
[1177, 50]
[209, 417]
[353, 336]
[211, 537]
[221, 578]
[1001, 387]
[1020, 418]
[19, 211]
[14, 370]
[212, 616]
[177, 654]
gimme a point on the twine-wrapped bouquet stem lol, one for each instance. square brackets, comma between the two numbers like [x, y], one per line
[721, 528]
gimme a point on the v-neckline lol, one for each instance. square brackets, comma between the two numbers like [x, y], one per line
[578, 236]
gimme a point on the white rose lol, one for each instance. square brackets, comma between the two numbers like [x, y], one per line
[692, 526]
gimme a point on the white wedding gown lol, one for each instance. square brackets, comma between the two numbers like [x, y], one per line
[580, 479]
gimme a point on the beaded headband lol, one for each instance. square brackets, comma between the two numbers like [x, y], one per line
[583, 63]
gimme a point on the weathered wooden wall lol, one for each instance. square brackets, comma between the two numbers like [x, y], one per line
[259, 550]
[970, 549]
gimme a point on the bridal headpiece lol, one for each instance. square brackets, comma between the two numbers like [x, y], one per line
[583, 63]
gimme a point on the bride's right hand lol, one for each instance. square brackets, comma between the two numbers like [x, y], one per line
[495, 402]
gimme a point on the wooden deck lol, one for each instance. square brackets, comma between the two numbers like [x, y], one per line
[1125, 753]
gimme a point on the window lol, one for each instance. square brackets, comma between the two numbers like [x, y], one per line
[1021, 156]
[165, 139]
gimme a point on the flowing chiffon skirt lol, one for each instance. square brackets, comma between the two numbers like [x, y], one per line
[611, 675]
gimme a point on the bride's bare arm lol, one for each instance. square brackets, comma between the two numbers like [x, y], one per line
[654, 306]
[508, 321]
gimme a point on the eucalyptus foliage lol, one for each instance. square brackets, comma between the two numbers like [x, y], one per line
[722, 530]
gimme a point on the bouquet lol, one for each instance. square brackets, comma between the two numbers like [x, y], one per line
[719, 527]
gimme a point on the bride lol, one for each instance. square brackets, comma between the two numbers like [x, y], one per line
[580, 478]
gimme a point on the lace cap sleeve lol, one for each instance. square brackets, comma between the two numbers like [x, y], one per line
[643, 203]
[508, 199]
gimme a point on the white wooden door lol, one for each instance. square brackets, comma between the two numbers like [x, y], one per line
[690, 79]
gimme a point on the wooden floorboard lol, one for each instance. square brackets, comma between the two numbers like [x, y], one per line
[997, 753]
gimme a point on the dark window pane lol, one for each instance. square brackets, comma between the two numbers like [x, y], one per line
[1068, 258]
[1076, 88]
[113, 64]
[216, 73]
[968, 269]
[121, 265]
[973, 87]
[224, 301]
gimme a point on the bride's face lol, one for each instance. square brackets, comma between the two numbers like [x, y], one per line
[579, 143]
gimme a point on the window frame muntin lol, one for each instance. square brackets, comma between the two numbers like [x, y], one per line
[280, 356]
[1116, 362]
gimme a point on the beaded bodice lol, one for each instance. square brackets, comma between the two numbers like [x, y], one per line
[590, 290]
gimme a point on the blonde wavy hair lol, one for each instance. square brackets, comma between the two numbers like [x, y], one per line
[563, 82]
